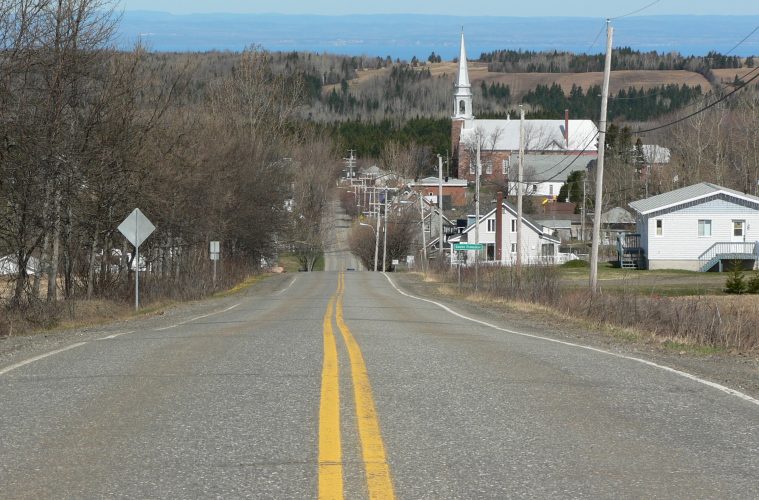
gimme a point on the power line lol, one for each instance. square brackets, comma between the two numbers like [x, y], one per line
[659, 127]
[744, 39]
[635, 11]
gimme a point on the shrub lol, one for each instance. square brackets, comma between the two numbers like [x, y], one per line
[753, 283]
[575, 264]
[736, 282]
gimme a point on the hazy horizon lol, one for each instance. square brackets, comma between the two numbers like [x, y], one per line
[407, 35]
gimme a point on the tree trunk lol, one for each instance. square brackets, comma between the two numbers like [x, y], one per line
[91, 267]
[52, 275]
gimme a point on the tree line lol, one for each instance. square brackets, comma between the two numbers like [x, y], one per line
[623, 58]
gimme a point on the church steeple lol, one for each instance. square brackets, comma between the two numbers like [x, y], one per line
[462, 97]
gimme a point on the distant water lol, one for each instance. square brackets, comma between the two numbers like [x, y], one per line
[405, 36]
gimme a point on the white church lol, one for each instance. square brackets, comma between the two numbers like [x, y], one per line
[563, 140]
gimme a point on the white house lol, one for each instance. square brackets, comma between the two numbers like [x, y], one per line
[538, 244]
[9, 265]
[700, 228]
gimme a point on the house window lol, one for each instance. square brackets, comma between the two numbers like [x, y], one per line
[471, 167]
[550, 189]
[491, 225]
[704, 227]
[513, 225]
[738, 228]
[513, 248]
[488, 167]
[505, 165]
[659, 227]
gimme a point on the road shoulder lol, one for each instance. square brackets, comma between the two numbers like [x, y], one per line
[736, 370]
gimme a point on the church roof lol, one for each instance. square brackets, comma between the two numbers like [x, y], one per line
[540, 135]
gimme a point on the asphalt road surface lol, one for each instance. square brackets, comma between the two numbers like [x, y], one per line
[336, 385]
[337, 257]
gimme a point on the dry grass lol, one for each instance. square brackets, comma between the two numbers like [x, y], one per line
[698, 322]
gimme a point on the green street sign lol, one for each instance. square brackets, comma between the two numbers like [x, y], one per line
[467, 246]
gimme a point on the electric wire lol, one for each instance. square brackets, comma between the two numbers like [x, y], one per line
[636, 11]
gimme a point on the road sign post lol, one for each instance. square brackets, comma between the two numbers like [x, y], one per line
[136, 228]
[215, 253]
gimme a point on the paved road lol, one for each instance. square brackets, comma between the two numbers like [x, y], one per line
[337, 257]
[307, 385]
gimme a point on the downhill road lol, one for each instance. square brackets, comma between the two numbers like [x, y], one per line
[336, 385]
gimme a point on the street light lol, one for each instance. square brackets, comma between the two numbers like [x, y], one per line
[376, 241]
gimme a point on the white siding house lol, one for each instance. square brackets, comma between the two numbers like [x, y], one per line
[538, 244]
[700, 228]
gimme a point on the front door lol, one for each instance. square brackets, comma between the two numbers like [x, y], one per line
[739, 231]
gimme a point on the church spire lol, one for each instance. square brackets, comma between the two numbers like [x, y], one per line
[462, 97]
[463, 79]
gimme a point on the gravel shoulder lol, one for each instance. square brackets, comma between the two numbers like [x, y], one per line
[737, 370]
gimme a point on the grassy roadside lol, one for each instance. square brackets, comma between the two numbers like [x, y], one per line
[92, 313]
[289, 262]
[579, 324]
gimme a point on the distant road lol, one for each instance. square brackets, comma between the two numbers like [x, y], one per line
[337, 256]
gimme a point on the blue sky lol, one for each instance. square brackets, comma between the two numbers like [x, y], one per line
[581, 8]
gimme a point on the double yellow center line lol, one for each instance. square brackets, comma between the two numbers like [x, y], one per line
[378, 480]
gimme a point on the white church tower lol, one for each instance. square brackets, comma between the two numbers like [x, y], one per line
[462, 97]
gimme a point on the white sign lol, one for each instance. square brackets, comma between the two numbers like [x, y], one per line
[395, 262]
[136, 227]
[215, 252]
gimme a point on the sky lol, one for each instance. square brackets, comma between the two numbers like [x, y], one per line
[577, 8]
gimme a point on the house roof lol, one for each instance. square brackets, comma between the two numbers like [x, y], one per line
[531, 224]
[545, 168]
[540, 135]
[654, 154]
[555, 223]
[686, 195]
[617, 215]
[433, 181]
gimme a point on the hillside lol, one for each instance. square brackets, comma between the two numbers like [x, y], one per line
[521, 83]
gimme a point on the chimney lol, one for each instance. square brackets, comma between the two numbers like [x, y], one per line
[566, 127]
[499, 226]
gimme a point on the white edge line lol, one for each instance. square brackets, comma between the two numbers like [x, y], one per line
[719, 387]
[197, 318]
[41, 356]
[109, 337]
[288, 287]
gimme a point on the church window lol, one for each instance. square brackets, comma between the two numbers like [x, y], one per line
[462, 107]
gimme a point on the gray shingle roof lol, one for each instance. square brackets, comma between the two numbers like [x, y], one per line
[684, 195]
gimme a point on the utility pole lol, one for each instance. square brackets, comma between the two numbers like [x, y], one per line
[424, 237]
[440, 207]
[376, 241]
[384, 237]
[520, 182]
[478, 169]
[598, 203]
[584, 205]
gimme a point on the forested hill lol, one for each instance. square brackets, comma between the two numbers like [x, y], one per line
[368, 101]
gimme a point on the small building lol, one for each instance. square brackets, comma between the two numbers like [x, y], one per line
[454, 191]
[703, 227]
[500, 241]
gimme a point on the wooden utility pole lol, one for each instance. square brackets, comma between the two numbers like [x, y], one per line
[598, 202]
[440, 208]
[520, 184]
[478, 169]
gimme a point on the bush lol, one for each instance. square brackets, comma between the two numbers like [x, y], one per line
[575, 264]
[753, 283]
[736, 282]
